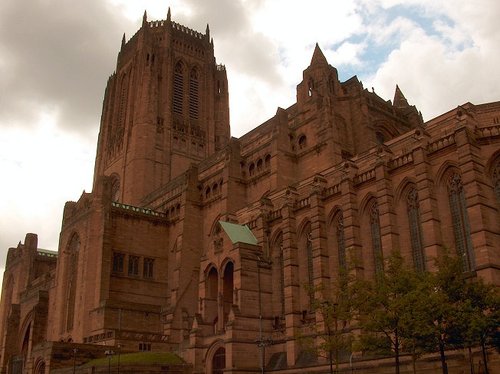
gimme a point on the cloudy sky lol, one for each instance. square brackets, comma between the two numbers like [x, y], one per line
[56, 55]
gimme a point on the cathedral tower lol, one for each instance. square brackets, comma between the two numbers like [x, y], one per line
[166, 106]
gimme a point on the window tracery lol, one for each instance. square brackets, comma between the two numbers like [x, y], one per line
[496, 180]
[376, 238]
[416, 237]
[194, 105]
[178, 95]
[460, 221]
[339, 230]
[309, 253]
[73, 252]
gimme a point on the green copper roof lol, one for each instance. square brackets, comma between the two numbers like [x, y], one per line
[238, 233]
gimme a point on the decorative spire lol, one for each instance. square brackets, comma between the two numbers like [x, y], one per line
[400, 99]
[169, 15]
[144, 18]
[318, 57]
[207, 32]
[123, 40]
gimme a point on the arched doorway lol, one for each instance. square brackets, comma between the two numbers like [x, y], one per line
[211, 297]
[227, 289]
[219, 361]
[40, 367]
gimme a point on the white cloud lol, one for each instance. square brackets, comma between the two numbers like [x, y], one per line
[42, 167]
[442, 53]
[441, 68]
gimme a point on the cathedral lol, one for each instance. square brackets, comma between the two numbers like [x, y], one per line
[202, 244]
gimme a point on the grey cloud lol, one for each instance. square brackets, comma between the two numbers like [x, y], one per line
[58, 55]
[237, 45]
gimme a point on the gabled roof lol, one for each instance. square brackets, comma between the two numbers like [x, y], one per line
[238, 233]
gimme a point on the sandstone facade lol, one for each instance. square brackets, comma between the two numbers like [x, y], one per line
[341, 177]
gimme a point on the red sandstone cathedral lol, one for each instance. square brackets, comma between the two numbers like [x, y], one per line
[198, 243]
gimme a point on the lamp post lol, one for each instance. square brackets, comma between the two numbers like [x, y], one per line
[335, 316]
[74, 359]
[330, 311]
[109, 354]
[119, 353]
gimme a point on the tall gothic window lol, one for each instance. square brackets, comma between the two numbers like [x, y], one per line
[460, 222]
[118, 261]
[416, 236]
[194, 94]
[133, 265]
[496, 180]
[309, 252]
[376, 238]
[178, 96]
[123, 101]
[339, 231]
[148, 266]
[115, 188]
[278, 247]
[73, 251]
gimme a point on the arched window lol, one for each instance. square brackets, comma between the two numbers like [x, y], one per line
[339, 233]
[251, 169]
[267, 161]
[210, 309]
[496, 180]
[380, 137]
[178, 95]
[212, 284]
[279, 274]
[416, 237]
[460, 222]
[376, 238]
[219, 361]
[123, 101]
[115, 188]
[40, 367]
[228, 289]
[302, 142]
[309, 253]
[194, 105]
[73, 252]
[259, 165]
[310, 87]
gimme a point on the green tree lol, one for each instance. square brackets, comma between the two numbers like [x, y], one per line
[478, 316]
[459, 310]
[384, 306]
[331, 334]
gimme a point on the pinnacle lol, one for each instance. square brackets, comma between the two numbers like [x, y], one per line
[399, 99]
[318, 57]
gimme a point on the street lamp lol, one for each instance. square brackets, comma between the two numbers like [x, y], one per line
[119, 353]
[330, 311]
[109, 354]
[74, 359]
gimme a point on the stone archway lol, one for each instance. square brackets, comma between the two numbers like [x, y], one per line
[219, 361]
[40, 367]
[228, 290]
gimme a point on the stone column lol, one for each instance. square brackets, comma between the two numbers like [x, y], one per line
[389, 234]
[350, 216]
[481, 212]
[428, 205]
[291, 277]
[321, 271]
